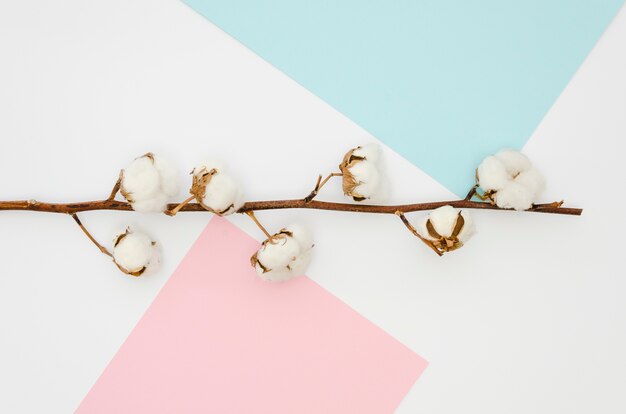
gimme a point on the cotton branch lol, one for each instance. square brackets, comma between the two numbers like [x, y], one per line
[78, 207]
[505, 181]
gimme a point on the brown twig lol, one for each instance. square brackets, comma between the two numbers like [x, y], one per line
[258, 223]
[117, 186]
[471, 193]
[72, 208]
[318, 186]
[554, 204]
[93, 240]
[175, 210]
[416, 234]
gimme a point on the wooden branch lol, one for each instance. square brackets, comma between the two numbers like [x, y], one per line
[72, 208]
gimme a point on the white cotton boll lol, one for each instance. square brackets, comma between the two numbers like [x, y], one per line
[514, 161]
[492, 174]
[155, 204]
[422, 230]
[523, 184]
[469, 228]
[301, 263]
[149, 182]
[370, 151]
[221, 193]
[383, 191]
[168, 174]
[287, 256]
[134, 252]
[275, 275]
[368, 178]
[238, 203]
[278, 253]
[366, 190]
[514, 195]
[532, 179]
[141, 179]
[443, 220]
[362, 177]
[301, 235]
[365, 172]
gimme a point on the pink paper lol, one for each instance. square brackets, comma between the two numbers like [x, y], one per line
[217, 339]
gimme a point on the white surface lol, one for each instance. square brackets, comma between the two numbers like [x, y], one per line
[528, 317]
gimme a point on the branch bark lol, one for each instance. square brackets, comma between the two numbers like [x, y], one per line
[73, 208]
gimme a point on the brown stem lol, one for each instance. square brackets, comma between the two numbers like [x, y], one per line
[175, 210]
[416, 234]
[117, 186]
[554, 204]
[70, 208]
[471, 193]
[484, 197]
[93, 240]
[318, 186]
[258, 223]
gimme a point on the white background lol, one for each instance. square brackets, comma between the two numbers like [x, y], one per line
[529, 317]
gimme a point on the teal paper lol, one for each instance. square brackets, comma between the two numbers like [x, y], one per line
[442, 82]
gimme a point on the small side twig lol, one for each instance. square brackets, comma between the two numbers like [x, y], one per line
[416, 234]
[258, 223]
[93, 240]
[172, 212]
[471, 193]
[554, 204]
[318, 186]
[116, 187]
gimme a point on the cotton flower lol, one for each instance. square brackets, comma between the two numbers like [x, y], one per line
[531, 179]
[447, 228]
[492, 174]
[214, 189]
[149, 182]
[509, 180]
[362, 176]
[285, 255]
[514, 161]
[514, 195]
[134, 252]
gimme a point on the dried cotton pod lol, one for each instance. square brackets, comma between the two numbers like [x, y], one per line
[447, 228]
[492, 175]
[134, 252]
[149, 182]
[214, 189]
[509, 180]
[285, 255]
[361, 174]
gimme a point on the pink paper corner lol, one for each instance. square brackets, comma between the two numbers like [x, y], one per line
[217, 339]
